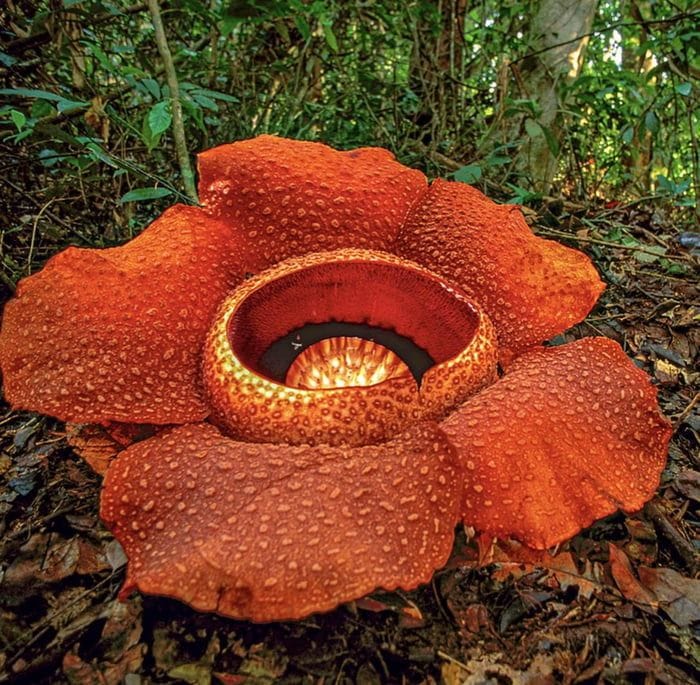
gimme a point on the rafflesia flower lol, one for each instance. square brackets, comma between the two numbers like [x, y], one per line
[326, 330]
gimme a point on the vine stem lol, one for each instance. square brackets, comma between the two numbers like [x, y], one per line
[171, 77]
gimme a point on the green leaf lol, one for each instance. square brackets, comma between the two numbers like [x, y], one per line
[63, 103]
[57, 133]
[664, 184]
[283, 31]
[684, 89]
[302, 26]
[141, 194]
[646, 258]
[195, 111]
[21, 136]
[328, 34]
[534, 130]
[673, 268]
[151, 85]
[228, 23]
[149, 139]
[98, 153]
[627, 135]
[18, 119]
[69, 105]
[651, 121]
[204, 101]
[41, 108]
[160, 118]
[49, 157]
[101, 57]
[147, 135]
[522, 196]
[524, 105]
[470, 173]
[497, 160]
[215, 95]
[6, 60]
[552, 142]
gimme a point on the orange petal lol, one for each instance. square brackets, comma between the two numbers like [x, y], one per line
[569, 435]
[272, 532]
[531, 288]
[116, 334]
[293, 197]
[348, 286]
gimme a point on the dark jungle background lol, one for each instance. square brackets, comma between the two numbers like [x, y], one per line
[585, 112]
[590, 101]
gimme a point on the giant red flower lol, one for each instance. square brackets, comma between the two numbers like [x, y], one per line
[341, 410]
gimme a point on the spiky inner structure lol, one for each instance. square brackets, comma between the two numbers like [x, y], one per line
[344, 362]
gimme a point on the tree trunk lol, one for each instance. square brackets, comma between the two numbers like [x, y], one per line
[555, 58]
[637, 155]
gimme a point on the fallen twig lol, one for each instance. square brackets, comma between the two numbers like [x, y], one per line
[666, 530]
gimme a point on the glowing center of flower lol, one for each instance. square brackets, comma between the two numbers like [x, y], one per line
[344, 362]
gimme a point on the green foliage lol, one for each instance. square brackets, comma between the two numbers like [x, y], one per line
[640, 116]
[471, 173]
[142, 194]
[403, 75]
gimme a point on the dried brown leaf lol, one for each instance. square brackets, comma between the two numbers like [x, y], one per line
[677, 595]
[626, 582]
[490, 670]
[516, 560]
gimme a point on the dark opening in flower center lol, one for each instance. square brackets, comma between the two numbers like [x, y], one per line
[289, 350]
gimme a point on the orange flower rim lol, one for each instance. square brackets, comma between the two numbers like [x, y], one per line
[324, 333]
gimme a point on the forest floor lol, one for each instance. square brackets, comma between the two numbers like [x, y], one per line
[618, 603]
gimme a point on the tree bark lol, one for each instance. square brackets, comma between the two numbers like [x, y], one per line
[637, 156]
[557, 57]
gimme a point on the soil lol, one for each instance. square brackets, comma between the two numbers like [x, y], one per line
[619, 603]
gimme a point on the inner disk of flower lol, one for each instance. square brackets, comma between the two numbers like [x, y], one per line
[344, 362]
[278, 359]
[331, 348]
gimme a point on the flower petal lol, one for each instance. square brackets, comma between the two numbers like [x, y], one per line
[569, 435]
[293, 197]
[531, 288]
[116, 334]
[272, 532]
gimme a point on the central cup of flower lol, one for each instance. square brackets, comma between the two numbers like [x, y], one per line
[344, 362]
[346, 347]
